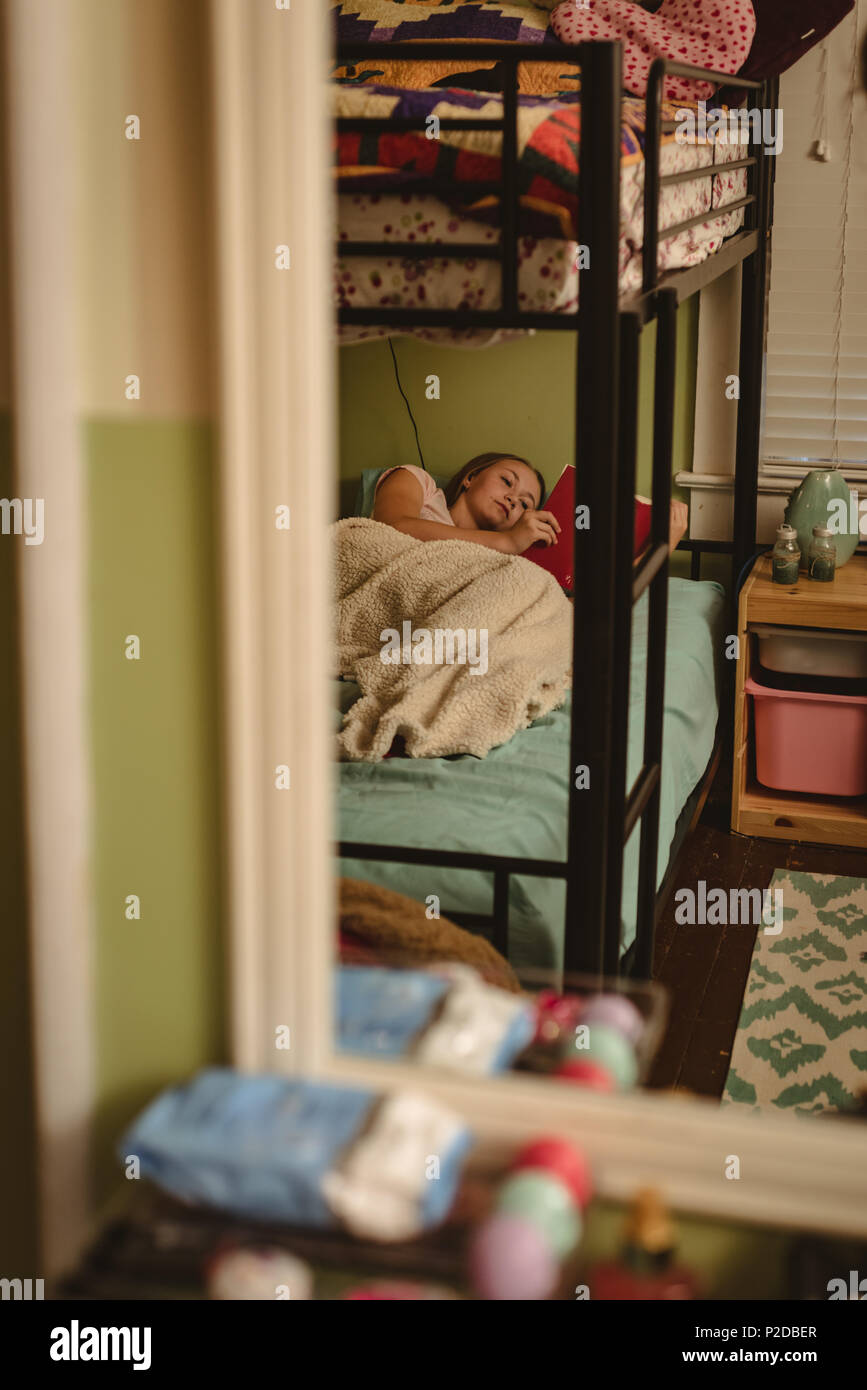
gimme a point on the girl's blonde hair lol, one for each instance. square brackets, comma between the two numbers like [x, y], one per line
[454, 487]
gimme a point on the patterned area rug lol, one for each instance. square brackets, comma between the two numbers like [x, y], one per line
[801, 1042]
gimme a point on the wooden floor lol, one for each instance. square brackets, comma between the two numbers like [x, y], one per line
[705, 968]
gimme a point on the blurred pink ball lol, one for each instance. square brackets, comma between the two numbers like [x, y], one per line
[510, 1260]
[555, 1014]
[558, 1156]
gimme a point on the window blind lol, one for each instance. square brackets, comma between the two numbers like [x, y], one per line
[815, 404]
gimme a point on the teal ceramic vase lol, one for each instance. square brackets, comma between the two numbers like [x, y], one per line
[816, 501]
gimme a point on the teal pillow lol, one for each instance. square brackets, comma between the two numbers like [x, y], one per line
[367, 488]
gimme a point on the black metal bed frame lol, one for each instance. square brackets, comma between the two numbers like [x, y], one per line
[603, 814]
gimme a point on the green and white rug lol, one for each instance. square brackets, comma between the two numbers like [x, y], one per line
[801, 1042]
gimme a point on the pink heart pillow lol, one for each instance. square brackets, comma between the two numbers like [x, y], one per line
[713, 34]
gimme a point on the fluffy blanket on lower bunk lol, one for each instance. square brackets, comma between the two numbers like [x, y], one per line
[455, 647]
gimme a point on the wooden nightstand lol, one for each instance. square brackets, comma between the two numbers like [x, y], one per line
[758, 810]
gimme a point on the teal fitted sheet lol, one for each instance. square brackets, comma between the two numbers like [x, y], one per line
[515, 801]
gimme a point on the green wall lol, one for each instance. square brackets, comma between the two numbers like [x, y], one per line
[160, 1009]
[516, 396]
[160, 1006]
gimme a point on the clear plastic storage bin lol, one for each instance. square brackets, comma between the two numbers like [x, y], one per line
[812, 651]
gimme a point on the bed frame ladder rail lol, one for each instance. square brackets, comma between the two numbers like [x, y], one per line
[590, 937]
[646, 802]
[654, 181]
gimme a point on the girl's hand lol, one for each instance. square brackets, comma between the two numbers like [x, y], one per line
[678, 524]
[533, 527]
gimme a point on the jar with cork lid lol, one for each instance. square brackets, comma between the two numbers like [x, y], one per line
[786, 556]
[822, 555]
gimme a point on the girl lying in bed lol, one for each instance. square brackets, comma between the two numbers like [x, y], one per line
[494, 500]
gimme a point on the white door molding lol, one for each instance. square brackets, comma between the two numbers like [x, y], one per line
[276, 449]
[52, 588]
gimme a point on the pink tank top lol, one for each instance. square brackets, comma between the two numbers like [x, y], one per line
[434, 506]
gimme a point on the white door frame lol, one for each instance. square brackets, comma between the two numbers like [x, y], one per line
[52, 615]
[276, 450]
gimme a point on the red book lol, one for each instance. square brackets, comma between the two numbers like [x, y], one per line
[641, 534]
[557, 559]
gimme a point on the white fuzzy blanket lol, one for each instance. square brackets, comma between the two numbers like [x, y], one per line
[505, 624]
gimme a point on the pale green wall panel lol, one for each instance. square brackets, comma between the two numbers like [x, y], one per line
[155, 727]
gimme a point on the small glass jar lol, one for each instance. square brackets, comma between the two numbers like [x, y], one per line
[786, 557]
[822, 555]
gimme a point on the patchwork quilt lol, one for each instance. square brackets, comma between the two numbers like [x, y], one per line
[548, 267]
[447, 21]
[714, 34]
[549, 133]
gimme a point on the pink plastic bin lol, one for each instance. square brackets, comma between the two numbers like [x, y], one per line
[807, 742]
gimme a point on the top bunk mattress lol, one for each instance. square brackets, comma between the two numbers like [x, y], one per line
[377, 201]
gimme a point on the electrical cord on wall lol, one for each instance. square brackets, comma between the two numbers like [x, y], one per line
[408, 406]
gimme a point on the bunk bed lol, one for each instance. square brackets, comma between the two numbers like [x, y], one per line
[610, 313]
[378, 201]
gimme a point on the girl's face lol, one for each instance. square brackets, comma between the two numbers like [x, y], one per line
[500, 494]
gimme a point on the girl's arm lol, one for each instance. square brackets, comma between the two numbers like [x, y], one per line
[399, 501]
[678, 524]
